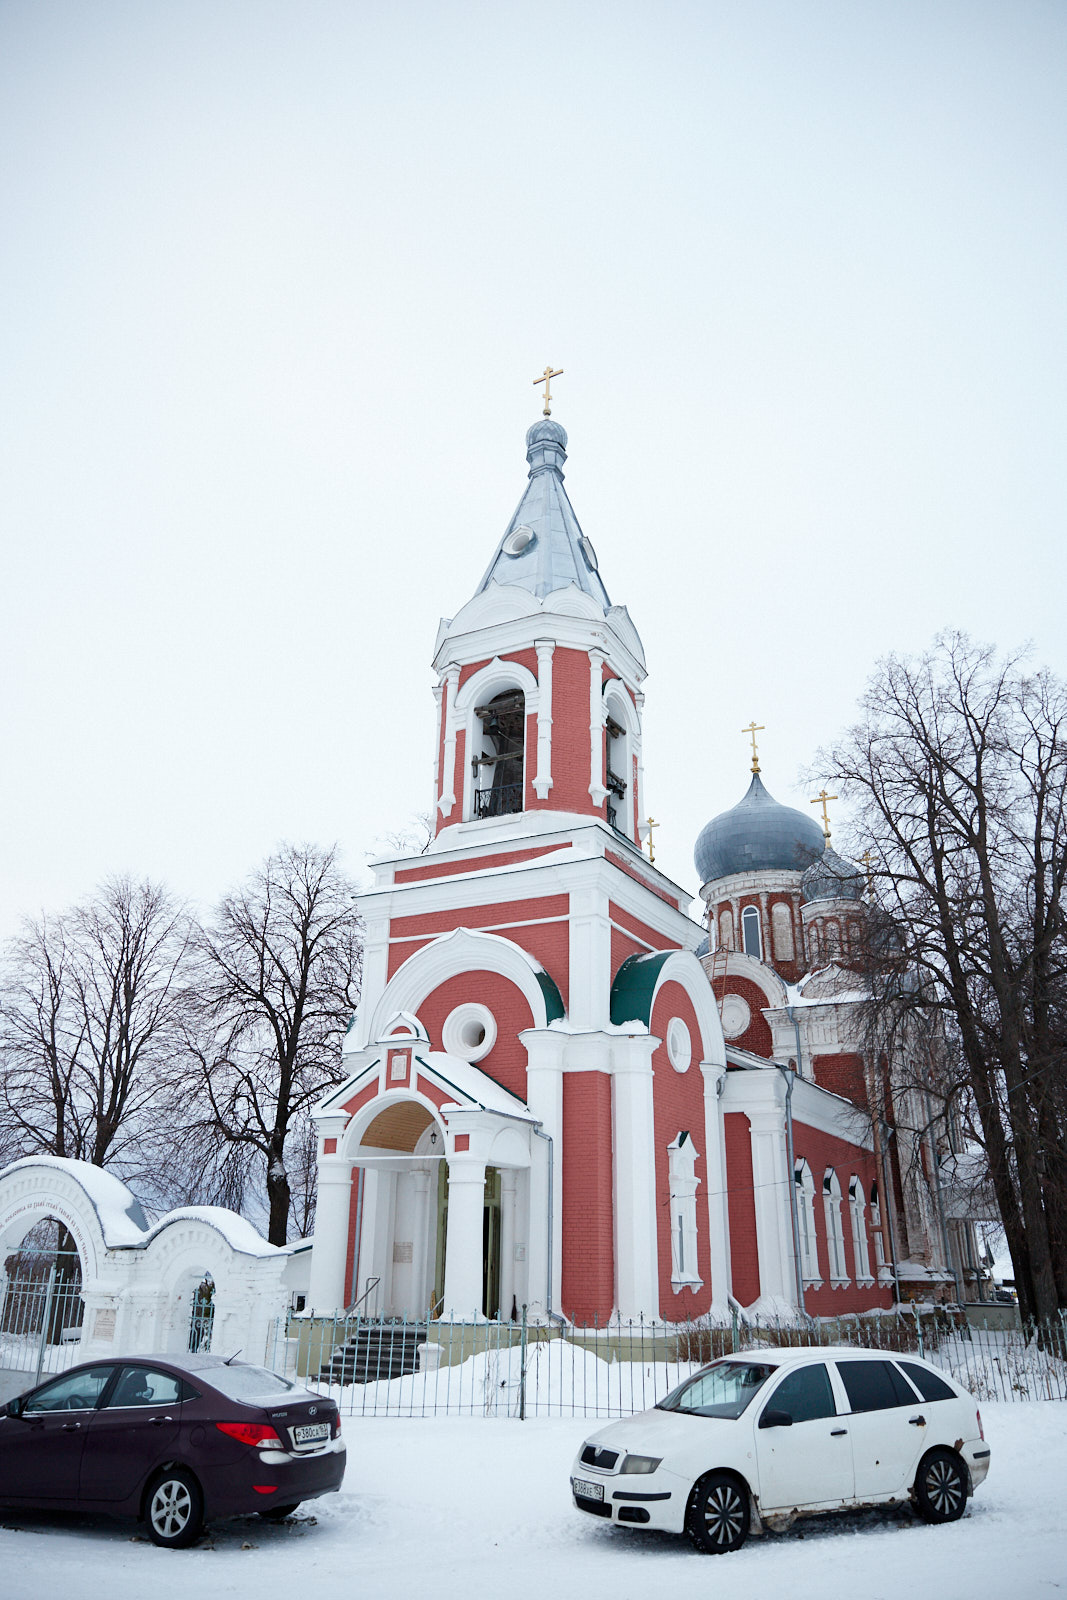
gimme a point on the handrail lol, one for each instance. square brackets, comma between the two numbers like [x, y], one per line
[372, 1283]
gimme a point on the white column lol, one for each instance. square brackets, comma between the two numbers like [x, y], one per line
[718, 1199]
[636, 1241]
[376, 1241]
[639, 782]
[463, 1247]
[590, 952]
[597, 791]
[438, 692]
[543, 781]
[448, 776]
[770, 1180]
[422, 1288]
[544, 1096]
[508, 1199]
[329, 1253]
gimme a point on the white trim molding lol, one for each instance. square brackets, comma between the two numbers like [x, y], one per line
[543, 780]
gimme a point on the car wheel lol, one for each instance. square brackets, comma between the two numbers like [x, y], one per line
[278, 1513]
[718, 1518]
[174, 1509]
[941, 1487]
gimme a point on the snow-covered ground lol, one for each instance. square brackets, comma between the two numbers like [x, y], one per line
[455, 1506]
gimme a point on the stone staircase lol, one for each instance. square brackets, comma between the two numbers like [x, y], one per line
[376, 1351]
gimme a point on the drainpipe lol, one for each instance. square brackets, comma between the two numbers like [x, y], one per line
[789, 1080]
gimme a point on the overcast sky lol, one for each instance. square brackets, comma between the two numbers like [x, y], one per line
[276, 279]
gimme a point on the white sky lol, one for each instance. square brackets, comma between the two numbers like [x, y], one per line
[276, 279]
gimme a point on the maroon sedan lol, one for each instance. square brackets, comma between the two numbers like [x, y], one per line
[177, 1440]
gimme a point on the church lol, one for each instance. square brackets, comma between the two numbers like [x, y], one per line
[557, 1093]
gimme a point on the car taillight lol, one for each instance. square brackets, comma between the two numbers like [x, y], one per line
[981, 1430]
[253, 1433]
[337, 1426]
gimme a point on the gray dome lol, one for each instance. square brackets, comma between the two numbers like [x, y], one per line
[756, 836]
[546, 432]
[832, 878]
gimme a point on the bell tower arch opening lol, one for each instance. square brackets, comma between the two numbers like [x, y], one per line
[499, 766]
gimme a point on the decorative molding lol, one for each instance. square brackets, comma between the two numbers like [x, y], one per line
[543, 780]
[597, 791]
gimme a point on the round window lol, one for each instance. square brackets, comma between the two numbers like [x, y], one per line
[736, 1016]
[518, 540]
[679, 1045]
[469, 1032]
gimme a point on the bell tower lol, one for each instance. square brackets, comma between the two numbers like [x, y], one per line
[539, 676]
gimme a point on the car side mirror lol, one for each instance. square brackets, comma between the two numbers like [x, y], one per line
[773, 1418]
[15, 1408]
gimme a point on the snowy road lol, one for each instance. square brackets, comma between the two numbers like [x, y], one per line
[454, 1506]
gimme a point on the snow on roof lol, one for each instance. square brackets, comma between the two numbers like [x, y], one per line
[122, 1219]
[474, 1085]
[237, 1231]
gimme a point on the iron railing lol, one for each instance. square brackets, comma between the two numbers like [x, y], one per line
[41, 1314]
[400, 1368]
[498, 802]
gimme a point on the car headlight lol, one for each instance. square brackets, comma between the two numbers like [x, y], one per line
[640, 1463]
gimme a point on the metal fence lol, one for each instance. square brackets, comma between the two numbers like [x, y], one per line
[514, 1369]
[41, 1313]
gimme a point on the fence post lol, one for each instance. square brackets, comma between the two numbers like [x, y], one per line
[522, 1366]
[733, 1330]
[49, 1295]
[919, 1333]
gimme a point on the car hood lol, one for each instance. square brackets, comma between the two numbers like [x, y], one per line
[655, 1432]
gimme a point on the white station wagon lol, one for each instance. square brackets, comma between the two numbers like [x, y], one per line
[753, 1441]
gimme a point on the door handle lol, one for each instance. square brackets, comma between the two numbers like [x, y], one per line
[838, 1433]
[917, 1422]
[157, 1422]
[71, 1427]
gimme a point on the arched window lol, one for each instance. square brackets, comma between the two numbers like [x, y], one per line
[726, 930]
[833, 940]
[782, 931]
[498, 763]
[876, 1227]
[857, 1210]
[622, 742]
[835, 1233]
[805, 1193]
[750, 934]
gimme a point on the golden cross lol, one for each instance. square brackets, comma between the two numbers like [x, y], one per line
[651, 823]
[867, 858]
[546, 378]
[753, 728]
[821, 799]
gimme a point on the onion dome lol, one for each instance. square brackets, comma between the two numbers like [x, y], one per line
[832, 878]
[758, 835]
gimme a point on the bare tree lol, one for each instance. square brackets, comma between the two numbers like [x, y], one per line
[958, 776]
[279, 979]
[90, 1023]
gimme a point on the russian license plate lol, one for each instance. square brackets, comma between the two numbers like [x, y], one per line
[312, 1433]
[587, 1490]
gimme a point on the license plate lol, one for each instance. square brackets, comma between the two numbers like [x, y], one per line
[588, 1491]
[312, 1433]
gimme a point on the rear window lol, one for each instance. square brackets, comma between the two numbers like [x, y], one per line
[721, 1390]
[929, 1385]
[874, 1385]
[246, 1383]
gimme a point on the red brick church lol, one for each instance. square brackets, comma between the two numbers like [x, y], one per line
[555, 1094]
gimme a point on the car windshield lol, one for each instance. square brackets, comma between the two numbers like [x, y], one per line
[246, 1383]
[721, 1390]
